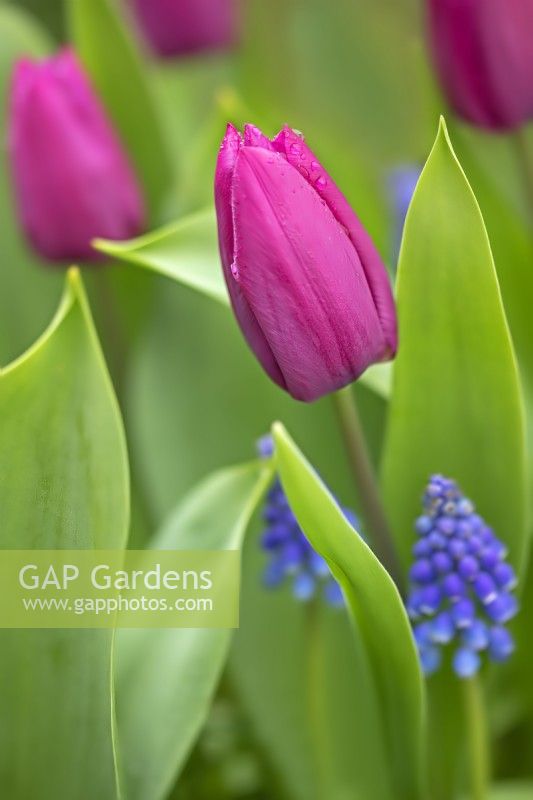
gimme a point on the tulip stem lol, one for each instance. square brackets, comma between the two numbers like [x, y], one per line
[478, 758]
[525, 166]
[366, 482]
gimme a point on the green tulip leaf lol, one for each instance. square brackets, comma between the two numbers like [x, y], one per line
[388, 661]
[456, 407]
[166, 677]
[186, 252]
[512, 245]
[110, 55]
[63, 485]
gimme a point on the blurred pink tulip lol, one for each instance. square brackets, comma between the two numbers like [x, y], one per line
[182, 27]
[72, 177]
[483, 53]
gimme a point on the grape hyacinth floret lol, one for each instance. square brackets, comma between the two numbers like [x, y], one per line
[291, 556]
[461, 590]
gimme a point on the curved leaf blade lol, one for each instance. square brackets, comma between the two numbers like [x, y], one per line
[456, 406]
[166, 678]
[380, 621]
[64, 485]
[185, 251]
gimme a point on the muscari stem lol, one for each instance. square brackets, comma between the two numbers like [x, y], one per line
[478, 756]
[525, 166]
[366, 483]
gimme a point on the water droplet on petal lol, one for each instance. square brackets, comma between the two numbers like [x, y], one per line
[321, 182]
[235, 271]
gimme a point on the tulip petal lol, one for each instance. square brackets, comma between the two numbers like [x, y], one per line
[300, 156]
[302, 276]
[227, 158]
[254, 137]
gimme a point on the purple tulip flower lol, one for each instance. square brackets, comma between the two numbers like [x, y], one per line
[307, 285]
[184, 27]
[484, 56]
[72, 178]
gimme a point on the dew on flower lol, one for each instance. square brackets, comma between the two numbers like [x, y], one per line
[460, 584]
[290, 556]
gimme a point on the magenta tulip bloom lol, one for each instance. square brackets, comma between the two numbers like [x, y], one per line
[483, 53]
[182, 27]
[306, 283]
[71, 175]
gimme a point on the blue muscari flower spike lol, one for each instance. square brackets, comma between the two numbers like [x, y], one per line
[461, 590]
[291, 557]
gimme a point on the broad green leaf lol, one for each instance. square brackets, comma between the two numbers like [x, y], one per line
[381, 627]
[456, 406]
[28, 291]
[166, 678]
[63, 484]
[111, 57]
[186, 251]
[511, 241]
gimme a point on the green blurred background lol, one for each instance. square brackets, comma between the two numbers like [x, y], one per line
[355, 78]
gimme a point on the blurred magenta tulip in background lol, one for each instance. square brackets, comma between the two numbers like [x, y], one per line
[72, 177]
[307, 285]
[483, 53]
[182, 27]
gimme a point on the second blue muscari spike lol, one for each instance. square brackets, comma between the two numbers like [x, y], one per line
[461, 593]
